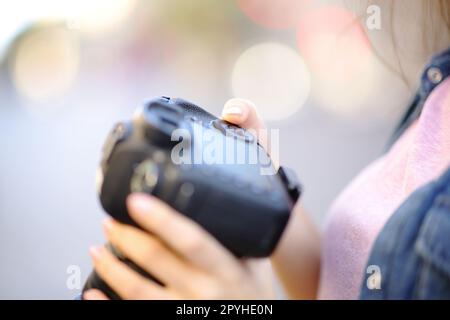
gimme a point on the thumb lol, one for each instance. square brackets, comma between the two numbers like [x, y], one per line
[242, 113]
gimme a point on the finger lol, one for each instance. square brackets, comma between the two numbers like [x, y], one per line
[182, 234]
[149, 253]
[261, 270]
[124, 281]
[94, 294]
[243, 113]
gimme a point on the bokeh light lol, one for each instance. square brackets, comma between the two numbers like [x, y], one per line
[45, 64]
[89, 17]
[10, 25]
[338, 53]
[279, 14]
[273, 76]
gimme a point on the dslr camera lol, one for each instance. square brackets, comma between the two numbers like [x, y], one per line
[212, 171]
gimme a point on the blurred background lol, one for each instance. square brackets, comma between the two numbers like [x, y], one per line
[70, 69]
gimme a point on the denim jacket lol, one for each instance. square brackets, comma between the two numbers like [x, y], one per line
[412, 252]
[411, 256]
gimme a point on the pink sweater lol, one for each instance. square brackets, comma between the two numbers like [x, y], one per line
[421, 154]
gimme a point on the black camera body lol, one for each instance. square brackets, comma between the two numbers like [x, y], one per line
[214, 172]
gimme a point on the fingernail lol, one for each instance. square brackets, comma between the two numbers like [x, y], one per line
[108, 225]
[140, 204]
[89, 295]
[96, 252]
[233, 111]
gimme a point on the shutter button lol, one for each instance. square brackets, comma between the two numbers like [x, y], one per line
[434, 75]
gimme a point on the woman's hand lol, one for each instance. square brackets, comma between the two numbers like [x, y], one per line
[244, 114]
[297, 257]
[177, 251]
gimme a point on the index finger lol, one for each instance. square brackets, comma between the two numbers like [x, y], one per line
[181, 234]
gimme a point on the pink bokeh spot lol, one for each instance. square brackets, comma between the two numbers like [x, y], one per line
[275, 14]
[333, 43]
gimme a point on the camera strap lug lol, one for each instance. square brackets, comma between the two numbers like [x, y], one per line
[290, 180]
